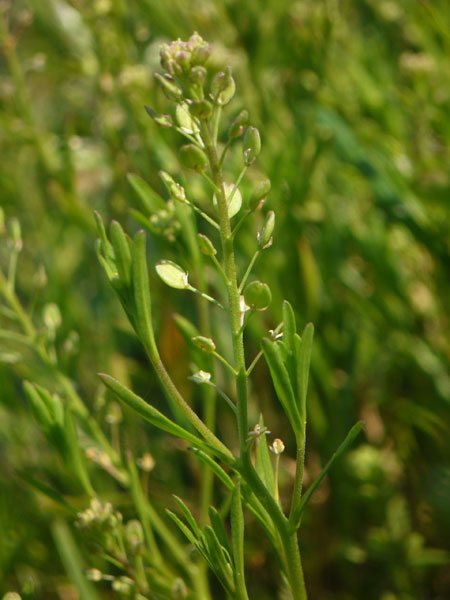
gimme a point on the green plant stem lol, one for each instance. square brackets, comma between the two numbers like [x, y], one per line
[289, 541]
[298, 481]
[248, 271]
[294, 566]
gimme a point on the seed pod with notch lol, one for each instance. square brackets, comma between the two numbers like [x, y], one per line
[258, 295]
[265, 235]
[175, 190]
[238, 124]
[252, 145]
[161, 120]
[206, 245]
[169, 87]
[193, 157]
[172, 275]
[201, 109]
[223, 87]
[204, 343]
[260, 191]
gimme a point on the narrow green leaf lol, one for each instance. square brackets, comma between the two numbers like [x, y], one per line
[148, 412]
[189, 517]
[263, 462]
[222, 567]
[141, 291]
[107, 266]
[219, 529]
[49, 492]
[289, 326]
[40, 410]
[150, 200]
[72, 561]
[237, 543]
[297, 512]
[283, 387]
[215, 468]
[105, 244]
[140, 501]
[122, 251]
[76, 457]
[304, 360]
[188, 534]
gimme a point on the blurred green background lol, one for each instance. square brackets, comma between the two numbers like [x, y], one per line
[352, 99]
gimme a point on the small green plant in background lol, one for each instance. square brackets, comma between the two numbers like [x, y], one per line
[248, 475]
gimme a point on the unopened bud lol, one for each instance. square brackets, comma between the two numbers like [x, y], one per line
[260, 191]
[197, 75]
[123, 585]
[94, 575]
[265, 235]
[206, 245]
[134, 535]
[200, 377]
[277, 447]
[146, 462]
[204, 343]
[193, 157]
[252, 145]
[52, 316]
[237, 125]
[258, 295]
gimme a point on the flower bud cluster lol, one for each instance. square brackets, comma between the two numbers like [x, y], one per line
[99, 514]
[180, 57]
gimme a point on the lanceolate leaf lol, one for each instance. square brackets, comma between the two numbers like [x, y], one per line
[217, 469]
[150, 200]
[298, 510]
[283, 387]
[122, 251]
[237, 543]
[148, 412]
[263, 462]
[219, 529]
[141, 293]
[289, 326]
[189, 517]
[304, 359]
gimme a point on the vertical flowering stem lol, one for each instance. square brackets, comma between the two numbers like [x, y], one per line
[289, 540]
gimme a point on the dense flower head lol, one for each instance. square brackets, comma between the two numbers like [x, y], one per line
[180, 57]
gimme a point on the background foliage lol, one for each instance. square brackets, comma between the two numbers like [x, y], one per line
[352, 99]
